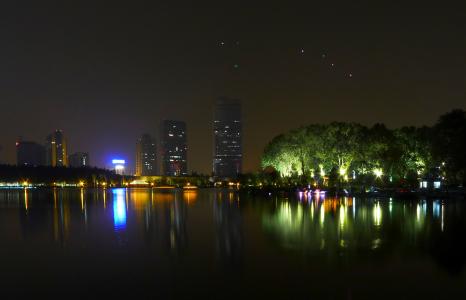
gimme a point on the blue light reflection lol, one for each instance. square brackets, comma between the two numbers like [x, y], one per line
[119, 209]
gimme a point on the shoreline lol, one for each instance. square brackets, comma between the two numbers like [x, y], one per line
[265, 191]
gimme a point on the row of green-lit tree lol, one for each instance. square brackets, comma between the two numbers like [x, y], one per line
[351, 151]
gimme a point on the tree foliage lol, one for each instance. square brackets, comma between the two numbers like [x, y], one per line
[349, 149]
[449, 145]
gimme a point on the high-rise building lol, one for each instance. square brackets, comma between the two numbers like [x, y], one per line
[56, 151]
[145, 156]
[29, 154]
[174, 148]
[79, 160]
[228, 152]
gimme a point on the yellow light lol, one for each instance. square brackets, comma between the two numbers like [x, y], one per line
[25, 183]
[322, 172]
[377, 214]
[378, 172]
[81, 183]
[342, 171]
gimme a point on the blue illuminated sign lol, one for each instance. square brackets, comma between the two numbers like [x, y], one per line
[118, 161]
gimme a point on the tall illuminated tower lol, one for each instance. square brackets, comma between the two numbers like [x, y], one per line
[228, 150]
[174, 148]
[56, 150]
[145, 156]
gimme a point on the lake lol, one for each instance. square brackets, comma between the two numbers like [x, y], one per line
[219, 244]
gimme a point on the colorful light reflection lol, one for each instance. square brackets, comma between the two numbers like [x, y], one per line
[119, 209]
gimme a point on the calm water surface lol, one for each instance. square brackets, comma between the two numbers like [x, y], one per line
[142, 243]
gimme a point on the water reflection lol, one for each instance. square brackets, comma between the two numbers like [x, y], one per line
[348, 227]
[119, 209]
[179, 234]
[228, 227]
[176, 218]
[343, 223]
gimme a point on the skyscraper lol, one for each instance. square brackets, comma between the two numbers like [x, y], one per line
[56, 151]
[174, 148]
[145, 156]
[79, 160]
[228, 153]
[29, 154]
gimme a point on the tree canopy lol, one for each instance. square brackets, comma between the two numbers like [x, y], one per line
[351, 149]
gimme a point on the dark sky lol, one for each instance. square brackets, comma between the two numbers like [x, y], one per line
[106, 73]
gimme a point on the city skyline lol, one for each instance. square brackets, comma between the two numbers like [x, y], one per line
[129, 156]
[105, 75]
[232, 149]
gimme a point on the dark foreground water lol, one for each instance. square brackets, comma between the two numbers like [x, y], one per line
[219, 244]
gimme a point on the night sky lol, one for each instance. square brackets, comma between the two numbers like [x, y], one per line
[107, 73]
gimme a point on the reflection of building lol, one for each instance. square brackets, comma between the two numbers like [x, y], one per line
[56, 151]
[228, 225]
[175, 217]
[79, 160]
[228, 155]
[29, 154]
[174, 148]
[145, 156]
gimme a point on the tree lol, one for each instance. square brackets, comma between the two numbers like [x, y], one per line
[449, 145]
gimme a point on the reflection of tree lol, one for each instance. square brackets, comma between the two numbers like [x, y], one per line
[329, 225]
[228, 225]
[363, 229]
[448, 248]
